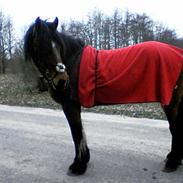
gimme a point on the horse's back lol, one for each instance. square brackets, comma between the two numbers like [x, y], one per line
[146, 72]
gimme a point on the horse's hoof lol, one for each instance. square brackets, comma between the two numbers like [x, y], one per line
[171, 166]
[169, 170]
[77, 168]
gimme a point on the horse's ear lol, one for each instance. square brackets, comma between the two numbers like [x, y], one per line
[38, 23]
[55, 23]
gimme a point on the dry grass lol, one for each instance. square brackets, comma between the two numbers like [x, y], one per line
[16, 90]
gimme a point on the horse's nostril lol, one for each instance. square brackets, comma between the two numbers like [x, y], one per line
[60, 67]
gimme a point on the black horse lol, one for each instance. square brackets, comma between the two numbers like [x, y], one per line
[57, 57]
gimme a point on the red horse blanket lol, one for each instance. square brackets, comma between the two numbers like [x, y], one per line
[145, 72]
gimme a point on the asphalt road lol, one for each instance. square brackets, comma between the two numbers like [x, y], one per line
[36, 147]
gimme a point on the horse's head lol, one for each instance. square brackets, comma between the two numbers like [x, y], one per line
[43, 46]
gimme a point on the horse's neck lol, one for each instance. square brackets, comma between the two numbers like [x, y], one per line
[73, 46]
[73, 50]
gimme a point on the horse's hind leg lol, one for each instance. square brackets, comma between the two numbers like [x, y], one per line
[175, 156]
[174, 114]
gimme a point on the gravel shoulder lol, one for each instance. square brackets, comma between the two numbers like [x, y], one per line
[36, 147]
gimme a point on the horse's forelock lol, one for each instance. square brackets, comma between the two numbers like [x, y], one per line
[31, 41]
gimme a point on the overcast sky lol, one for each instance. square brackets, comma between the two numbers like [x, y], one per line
[24, 12]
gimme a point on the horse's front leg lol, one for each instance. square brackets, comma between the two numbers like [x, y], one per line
[72, 111]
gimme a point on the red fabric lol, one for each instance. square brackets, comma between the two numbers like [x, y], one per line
[145, 72]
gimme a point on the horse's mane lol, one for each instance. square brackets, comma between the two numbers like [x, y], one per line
[28, 43]
[69, 43]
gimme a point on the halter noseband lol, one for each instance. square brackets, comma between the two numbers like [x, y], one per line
[61, 74]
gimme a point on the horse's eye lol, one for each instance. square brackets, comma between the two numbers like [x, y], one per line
[53, 45]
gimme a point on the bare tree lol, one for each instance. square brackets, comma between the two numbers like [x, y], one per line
[9, 38]
[2, 49]
[141, 28]
[107, 29]
[165, 34]
[125, 33]
[116, 25]
[6, 41]
[119, 30]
